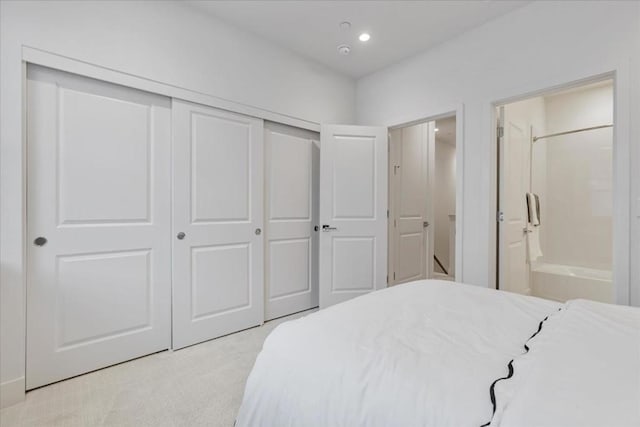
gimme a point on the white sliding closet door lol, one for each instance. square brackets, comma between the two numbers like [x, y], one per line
[217, 223]
[353, 212]
[98, 284]
[292, 191]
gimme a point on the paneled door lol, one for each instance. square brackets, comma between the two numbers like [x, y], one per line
[98, 221]
[292, 192]
[514, 155]
[217, 223]
[353, 212]
[411, 169]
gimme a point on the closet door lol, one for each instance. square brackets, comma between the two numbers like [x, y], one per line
[217, 223]
[98, 221]
[292, 191]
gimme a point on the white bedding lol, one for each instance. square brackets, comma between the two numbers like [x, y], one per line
[582, 369]
[418, 354]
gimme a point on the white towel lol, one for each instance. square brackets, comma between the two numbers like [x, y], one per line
[533, 243]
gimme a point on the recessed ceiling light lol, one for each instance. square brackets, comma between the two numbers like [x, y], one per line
[344, 49]
[364, 37]
[436, 130]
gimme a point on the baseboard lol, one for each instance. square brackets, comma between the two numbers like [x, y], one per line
[12, 392]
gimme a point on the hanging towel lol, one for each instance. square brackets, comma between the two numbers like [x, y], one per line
[533, 244]
[533, 209]
[533, 228]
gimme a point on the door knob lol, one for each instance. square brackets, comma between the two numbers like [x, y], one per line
[425, 224]
[326, 228]
[315, 228]
[258, 231]
[40, 241]
[181, 235]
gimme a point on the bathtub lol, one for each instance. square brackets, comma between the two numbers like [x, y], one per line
[564, 282]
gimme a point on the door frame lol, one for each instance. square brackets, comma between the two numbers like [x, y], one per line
[445, 111]
[621, 178]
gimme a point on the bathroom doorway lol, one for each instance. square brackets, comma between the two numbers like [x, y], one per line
[555, 194]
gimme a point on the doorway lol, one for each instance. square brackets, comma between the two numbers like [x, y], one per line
[422, 201]
[555, 194]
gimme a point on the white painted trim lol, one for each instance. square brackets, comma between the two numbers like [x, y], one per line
[12, 392]
[457, 110]
[63, 63]
[621, 167]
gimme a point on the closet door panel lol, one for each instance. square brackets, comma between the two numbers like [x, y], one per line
[292, 159]
[98, 287]
[218, 214]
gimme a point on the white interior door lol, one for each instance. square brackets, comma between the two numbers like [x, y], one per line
[353, 211]
[98, 283]
[411, 243]
[514, 151]
[217, 223]
[292, 191]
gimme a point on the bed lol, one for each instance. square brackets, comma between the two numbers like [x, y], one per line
[435, 353]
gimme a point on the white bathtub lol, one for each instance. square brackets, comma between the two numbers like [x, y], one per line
[564, 282]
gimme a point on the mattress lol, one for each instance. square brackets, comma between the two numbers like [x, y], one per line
[422, 353]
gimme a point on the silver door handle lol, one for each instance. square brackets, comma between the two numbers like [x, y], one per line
[327, 228]
[425, 224]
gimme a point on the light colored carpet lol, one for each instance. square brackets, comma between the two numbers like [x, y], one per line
[196, 386]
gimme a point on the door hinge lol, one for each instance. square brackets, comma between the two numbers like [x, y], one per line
[395, 224]
[387, 213]
[394, 275]
[500, 131]
[499, 216]
[387, 279]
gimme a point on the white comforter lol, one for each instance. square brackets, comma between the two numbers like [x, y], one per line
[583, 369]
[418, 354]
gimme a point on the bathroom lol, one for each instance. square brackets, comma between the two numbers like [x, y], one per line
[555, 194]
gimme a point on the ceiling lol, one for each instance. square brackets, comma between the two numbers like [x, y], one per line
[399, 29]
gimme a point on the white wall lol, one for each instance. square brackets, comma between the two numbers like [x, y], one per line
[445, 198]
[577, 228]
[541, 45]
[162, 41]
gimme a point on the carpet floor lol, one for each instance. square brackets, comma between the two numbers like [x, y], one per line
[200, 385]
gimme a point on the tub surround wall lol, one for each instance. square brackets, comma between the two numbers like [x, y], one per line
[577, 226]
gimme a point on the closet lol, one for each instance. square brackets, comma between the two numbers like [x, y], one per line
[146, 223]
